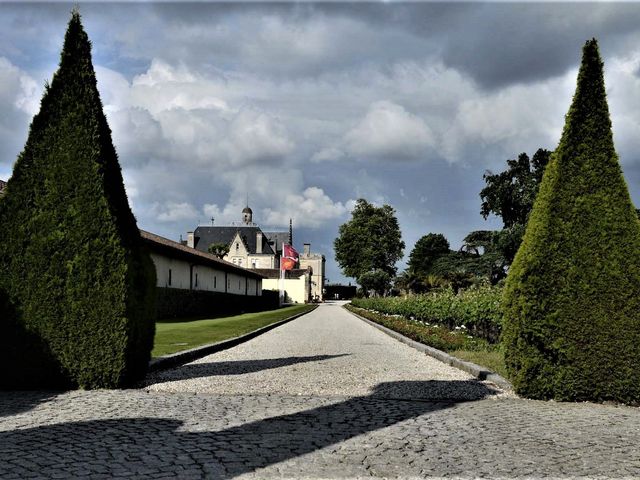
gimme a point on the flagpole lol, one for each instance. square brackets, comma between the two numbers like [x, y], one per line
[281, 282]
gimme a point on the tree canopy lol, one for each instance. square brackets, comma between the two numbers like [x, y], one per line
[510, 194]
[427, 250]
[219, 249]
[370, 241]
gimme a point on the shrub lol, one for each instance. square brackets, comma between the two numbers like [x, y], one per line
[476, 309]
[76, 283]
[571, 303]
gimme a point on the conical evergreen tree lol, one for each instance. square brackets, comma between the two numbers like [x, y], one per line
[77, 286]
[572, 297]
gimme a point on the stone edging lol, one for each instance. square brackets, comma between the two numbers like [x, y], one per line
[481, 373]
[186, 356]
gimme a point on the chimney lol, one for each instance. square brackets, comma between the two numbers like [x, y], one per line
[307, 249]
[190, 240]
[259, 242]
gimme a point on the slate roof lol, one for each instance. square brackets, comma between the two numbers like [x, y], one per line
[278, 238]
[205, 236]
[162, 245]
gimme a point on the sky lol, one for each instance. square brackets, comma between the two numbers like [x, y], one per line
[307, 107]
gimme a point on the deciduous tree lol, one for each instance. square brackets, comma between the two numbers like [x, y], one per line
[370, 241]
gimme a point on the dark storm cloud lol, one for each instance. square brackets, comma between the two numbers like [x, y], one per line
[500, 44]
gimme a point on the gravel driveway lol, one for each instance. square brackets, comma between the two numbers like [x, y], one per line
[324, 396]
[327, 352]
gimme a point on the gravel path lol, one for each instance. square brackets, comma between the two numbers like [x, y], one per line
[327, 352]
[325, 396]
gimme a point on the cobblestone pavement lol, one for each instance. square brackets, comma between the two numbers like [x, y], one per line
[477, 431]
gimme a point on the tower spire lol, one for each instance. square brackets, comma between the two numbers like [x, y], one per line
[290, 232]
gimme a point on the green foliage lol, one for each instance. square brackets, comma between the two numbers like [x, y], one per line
[377, 281]
[510, 194]
[476, 309]
[427, 249]
[571, 303]
[436, 336]
[479, 260]
[77, 285]
[219, 249]
[370, 241]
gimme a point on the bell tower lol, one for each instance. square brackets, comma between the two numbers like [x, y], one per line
[247, 215]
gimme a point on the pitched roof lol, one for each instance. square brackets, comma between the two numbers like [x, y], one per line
[162, 245]
[278, 238]
[205, 236]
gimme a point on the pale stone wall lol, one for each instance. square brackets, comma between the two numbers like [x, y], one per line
[207, 278]
[170, 272]
[204, 277]
[316, 263]
[297, 289]
[261, 261]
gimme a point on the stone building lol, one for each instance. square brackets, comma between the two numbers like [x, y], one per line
[314, 263]
[180, 267]
[250, 247]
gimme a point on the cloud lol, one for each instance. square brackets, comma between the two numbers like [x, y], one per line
[520, 118]
[328, 154]
[254, 136]
[170, 113]
[312, 208]
[19, 100]
[174, 212]
[391, 132]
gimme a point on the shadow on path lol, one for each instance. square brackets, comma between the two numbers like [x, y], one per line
[239, 367]
[15, 402]
[150, 446]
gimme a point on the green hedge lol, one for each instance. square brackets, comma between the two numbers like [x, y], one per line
[180, 303]
[572, 303]
[77, 286]
[478, 309]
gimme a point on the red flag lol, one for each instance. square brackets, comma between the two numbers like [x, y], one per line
[289, 257]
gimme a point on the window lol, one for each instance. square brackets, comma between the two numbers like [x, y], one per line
[239, 262]
[215, 281]
[169, 276]
[196, 280]
[237, 246]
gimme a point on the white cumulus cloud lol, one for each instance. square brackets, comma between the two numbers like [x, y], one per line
[311, 208]
[388, 130]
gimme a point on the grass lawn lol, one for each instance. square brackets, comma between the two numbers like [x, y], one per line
[456, 343]
[180, 335]
[492, 359]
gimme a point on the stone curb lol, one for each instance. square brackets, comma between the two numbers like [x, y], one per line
[186, 356]
[481, 373]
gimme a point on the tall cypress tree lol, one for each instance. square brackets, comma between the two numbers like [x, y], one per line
[76, 293]
[572, 297]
